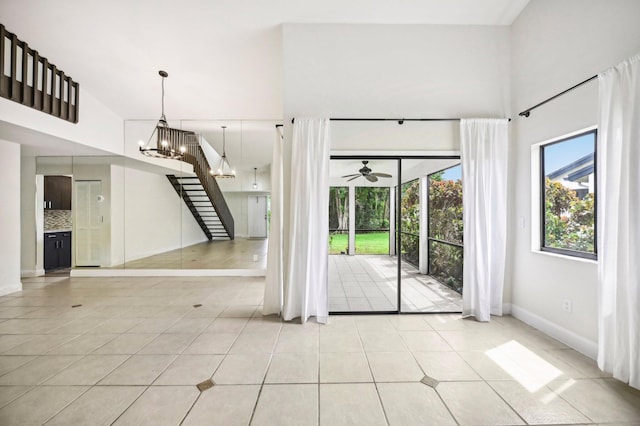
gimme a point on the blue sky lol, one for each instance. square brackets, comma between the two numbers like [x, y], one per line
[560, 154]
[452, 173]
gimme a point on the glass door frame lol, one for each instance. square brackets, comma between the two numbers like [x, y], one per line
[397, 224]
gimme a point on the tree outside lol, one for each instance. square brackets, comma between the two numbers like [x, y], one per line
[410, 224]
[371, 217]
[446, 225]
[569, 220]
[372, 220]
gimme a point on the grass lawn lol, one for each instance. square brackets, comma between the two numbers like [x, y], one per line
[369, 243]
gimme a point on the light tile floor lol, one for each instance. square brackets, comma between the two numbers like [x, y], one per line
[135, 349]
[234, 254]
[368, 283]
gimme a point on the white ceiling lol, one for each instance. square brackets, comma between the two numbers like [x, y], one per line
[223, 56]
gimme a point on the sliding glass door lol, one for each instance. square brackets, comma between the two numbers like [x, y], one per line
[395, 235]
[362, 263]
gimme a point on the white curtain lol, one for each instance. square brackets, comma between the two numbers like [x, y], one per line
[306, 279]
[619, 222]
[484, 153]
[274, 284]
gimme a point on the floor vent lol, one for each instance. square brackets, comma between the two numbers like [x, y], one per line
[207, 384]
[429, 381]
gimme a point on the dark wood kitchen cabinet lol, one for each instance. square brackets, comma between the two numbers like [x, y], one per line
[57, 192]
[57, 250]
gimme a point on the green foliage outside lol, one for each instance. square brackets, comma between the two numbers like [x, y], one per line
[339, 208]
[372, 214]
[569, 220]
[372, 208]
[366, 243]
[411, 222]
[446, 224]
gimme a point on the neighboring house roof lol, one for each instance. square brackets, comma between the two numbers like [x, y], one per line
[575, 170]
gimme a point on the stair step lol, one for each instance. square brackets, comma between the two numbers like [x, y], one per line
[192, 191]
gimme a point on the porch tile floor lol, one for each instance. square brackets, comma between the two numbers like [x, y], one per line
[369, 283]
[142, 347]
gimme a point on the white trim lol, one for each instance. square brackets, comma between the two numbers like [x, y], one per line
[536, 189]
[10, 289]
[568, 337]
[31, 273]
[566, 256]
[506, 309]
[91, 272]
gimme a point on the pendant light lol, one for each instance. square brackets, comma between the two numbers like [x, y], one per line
[255, 178]
[224, 169]
[169, 142]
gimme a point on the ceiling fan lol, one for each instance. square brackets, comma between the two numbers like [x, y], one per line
[366, 172]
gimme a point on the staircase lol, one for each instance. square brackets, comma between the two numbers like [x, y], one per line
[201, 192]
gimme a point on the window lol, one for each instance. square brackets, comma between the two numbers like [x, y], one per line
[568, 205]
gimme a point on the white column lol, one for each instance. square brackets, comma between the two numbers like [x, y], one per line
[10, 217]
[392, 221]
[28, 216]
[424, 221]
[352, 220]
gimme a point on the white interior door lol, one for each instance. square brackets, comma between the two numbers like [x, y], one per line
[257, 212]
[88, 229]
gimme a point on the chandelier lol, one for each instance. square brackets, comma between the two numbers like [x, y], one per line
[169, 143]
[224, 169]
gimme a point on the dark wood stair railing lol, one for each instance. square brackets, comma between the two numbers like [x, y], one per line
[193, 154]
[30, 79]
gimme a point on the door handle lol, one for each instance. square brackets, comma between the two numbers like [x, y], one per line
[51, 236]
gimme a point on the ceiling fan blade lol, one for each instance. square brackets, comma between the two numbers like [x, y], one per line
[371, 178]
[357, 176]
[384, 175]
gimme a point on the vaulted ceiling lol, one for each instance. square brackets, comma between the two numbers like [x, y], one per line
[224, 57]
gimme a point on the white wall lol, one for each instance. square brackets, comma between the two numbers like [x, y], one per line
[98, 126]
[556, 44]
[395, 70]
[10, 217]
[28, 192]
[156, 219]
[238, 205]
[237, 202]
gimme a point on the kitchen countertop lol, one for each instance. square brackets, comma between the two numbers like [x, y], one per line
[51, 231]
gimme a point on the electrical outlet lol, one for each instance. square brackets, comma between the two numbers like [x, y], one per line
[567, 306]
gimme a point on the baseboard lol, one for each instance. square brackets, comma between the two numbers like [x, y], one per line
[10, 289]
[97, 272]
[568, 337]
[506, 309]
[31, 273]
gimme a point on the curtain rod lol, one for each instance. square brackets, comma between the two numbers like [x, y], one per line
[399, 120]
[527, 111]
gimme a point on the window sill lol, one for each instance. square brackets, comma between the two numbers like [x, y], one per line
[566, 256]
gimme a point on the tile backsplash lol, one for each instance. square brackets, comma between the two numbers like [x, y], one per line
[57, 220]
